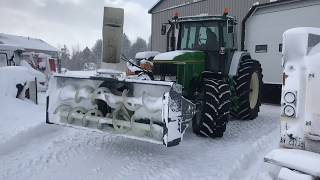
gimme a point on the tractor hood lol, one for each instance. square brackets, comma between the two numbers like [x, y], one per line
[180, 55]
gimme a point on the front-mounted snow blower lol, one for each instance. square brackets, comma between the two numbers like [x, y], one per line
[108, 101]
[203, 79]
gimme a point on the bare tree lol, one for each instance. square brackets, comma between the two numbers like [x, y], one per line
[126, 46]
[139, 46]
[97, 52]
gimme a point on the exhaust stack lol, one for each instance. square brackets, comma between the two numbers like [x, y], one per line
[112, 37]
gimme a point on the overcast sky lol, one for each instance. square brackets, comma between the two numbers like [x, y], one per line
[71, 22]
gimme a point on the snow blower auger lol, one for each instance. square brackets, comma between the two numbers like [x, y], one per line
[202, 79]
[145, 110]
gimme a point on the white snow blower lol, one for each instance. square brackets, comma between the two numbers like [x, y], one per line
[107, 100]
[300, 105]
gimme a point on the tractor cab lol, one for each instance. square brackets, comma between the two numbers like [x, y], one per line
[213, 35]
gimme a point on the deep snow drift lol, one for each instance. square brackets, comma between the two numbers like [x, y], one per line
[30, 149]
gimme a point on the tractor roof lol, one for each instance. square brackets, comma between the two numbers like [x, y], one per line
[204, 17]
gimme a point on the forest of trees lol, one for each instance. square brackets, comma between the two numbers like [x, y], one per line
[76, 59]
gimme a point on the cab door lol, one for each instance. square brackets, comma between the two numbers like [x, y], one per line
[229, 43]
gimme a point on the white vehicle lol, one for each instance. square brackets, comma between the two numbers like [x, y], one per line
[43, 64]
[300, 104]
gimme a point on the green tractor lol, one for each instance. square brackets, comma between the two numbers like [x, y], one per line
[202, 80]
[203, 56]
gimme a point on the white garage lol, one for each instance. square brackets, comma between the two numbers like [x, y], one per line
[262, 36]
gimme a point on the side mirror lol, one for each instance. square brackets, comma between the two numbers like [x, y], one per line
[230, 26]
[163, 29]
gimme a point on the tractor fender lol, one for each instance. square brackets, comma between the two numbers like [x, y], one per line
[237, 57]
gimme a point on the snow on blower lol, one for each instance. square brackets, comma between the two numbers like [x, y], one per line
[202, 81]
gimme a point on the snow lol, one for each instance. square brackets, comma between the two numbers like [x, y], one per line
[303, 161]
[30, 149]
[146, 54]
[40, 76]
[11, 76]
[170, 55]
[287, 174]
[18, 117]
[79, 74]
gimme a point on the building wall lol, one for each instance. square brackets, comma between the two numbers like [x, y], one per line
[166, 9]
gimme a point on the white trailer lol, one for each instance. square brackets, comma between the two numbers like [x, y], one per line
[262, 36]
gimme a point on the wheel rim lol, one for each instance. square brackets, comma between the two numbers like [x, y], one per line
[254, 90]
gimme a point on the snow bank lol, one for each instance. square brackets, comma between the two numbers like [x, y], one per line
[17, 116]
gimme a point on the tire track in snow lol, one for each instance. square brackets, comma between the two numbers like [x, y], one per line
[87, 155]
[253, 157]
[35, 149]
[26, 138]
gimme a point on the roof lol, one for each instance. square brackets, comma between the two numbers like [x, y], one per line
[154, 6]
[269, 3]
[7, 40]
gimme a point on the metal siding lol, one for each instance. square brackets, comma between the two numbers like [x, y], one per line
[238, 8]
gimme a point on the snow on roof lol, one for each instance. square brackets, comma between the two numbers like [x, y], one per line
[25, 42]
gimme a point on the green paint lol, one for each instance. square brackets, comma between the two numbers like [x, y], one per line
[190, 65]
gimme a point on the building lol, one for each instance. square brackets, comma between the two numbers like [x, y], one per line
[10, 42]
[263, 28]
[164, 10]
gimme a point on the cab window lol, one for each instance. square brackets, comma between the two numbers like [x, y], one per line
[199, 35]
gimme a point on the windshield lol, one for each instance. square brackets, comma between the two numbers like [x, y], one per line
[199, 35]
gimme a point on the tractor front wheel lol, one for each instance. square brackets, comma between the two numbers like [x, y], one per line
[246, 100]
[213, 111]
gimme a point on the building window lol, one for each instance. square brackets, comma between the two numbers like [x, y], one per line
[261, 48]
[280, 47]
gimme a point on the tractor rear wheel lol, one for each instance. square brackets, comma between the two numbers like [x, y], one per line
[246, 100]
[213, 113]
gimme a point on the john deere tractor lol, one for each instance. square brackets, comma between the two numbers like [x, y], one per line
[203, 57]
[202, 79]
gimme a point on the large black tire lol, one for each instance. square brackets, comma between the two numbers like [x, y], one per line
[213, 114]
[246, 91]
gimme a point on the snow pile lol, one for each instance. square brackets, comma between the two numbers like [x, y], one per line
[18, 116]
[40, 76]
[13, 75]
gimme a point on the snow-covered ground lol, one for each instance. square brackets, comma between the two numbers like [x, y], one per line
[30, 149]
